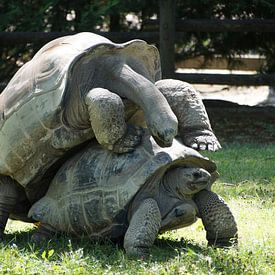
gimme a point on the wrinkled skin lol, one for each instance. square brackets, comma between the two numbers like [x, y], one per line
[193, 123]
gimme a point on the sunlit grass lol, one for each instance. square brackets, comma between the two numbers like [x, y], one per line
[247, 183]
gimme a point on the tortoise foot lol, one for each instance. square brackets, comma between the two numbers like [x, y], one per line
[202, 140]
[138, 253]
[130, 140]
[218, 220]
[38, 238]
[223, 242]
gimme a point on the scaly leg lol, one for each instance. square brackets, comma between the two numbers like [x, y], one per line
[107, 117]
[10, 193]
[194, 125]
[128, 83]
[218, 221]
[143, 229]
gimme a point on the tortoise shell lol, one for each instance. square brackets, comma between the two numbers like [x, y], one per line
[31, 105]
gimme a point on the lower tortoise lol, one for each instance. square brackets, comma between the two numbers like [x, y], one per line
[134, 195]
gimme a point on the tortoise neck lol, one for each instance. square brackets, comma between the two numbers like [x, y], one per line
[149, 190]
[168, 186]
[128, 83]
[172, 185]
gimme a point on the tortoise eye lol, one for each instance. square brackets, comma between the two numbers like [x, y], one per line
[179, 212]
[197, 175]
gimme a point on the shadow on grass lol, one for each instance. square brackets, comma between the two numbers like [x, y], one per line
[165, 249]
[101, 250]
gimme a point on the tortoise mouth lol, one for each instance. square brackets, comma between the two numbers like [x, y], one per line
[197, 185]
[201, 182]
[162, 142]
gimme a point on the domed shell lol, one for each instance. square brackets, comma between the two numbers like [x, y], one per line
[31, 104]
[91, 191]
[50, 67]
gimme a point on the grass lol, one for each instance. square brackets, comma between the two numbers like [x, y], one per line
[247, 183]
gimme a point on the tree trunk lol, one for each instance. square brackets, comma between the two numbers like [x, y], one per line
[167, 37]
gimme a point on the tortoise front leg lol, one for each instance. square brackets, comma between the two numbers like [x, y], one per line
[107, 117]
[10, 194]
[143, 229]
[194, 125]
[218, 221]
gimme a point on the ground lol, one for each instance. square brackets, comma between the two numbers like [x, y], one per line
[246, 165]
[238, 123]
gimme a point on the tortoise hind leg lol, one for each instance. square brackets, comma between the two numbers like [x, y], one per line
[194, 125]
[107, 117]
[10, 194]
[218, 221]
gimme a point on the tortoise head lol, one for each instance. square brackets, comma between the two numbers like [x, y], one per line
[183, 181]
[175, 202]
[163, 127]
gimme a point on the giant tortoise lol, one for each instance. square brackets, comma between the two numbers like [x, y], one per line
[134, 195]
[83, 86]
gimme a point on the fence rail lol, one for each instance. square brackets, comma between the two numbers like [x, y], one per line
[15, 38]
[217, 25]
[228, 79]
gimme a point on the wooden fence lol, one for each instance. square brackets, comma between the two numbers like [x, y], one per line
[168, 26]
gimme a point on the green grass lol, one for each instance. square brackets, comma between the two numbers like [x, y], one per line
[247, 183]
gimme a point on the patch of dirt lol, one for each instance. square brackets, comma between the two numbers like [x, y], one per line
[243, 95]
[239, 123]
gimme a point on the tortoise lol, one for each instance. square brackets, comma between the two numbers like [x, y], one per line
[134, 195]
[83, 86]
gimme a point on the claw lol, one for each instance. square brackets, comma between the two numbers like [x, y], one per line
[217, 146]
[201, 140]
[211, 147]
[194, 146]
[130, 140]
[202, 146]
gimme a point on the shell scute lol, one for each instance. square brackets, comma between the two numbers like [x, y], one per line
[36, 96]
[111, 203]
[76, 217]
[94, 212]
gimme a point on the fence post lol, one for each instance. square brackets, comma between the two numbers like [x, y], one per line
[167, 37]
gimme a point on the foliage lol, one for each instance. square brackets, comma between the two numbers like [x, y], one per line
[89, 15]
[181, 251]
[48, 16]
[53, 15]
